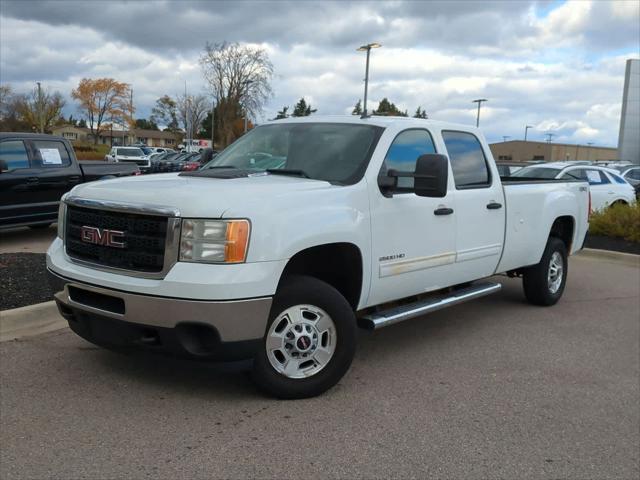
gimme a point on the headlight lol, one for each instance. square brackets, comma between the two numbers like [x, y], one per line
[62, 210]
[214, 241]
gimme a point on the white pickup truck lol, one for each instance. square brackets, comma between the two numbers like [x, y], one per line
[301, 231]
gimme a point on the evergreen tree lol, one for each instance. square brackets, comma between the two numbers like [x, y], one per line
[420, 113]
[387, 108]
[282, 113]
[301, 109]
[357, 109]
[82, 123]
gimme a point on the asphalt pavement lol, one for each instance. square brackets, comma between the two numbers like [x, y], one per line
[26, 240]
[492, 388]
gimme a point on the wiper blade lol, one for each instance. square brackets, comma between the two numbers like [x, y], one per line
[287, 171]
[221, 166]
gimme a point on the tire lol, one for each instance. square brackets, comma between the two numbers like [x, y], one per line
[316, 362]
[541, 286]
[40, 226]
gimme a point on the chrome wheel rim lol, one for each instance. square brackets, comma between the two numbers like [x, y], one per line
[301, 341]
[554, 276]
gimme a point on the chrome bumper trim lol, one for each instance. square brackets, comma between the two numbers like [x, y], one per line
[235, 320]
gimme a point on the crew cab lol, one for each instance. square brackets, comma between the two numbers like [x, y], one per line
[36, 170]
[131, 155]
[298, 233]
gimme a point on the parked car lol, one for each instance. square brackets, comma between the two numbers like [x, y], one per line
[631, 173]
[36, 170]
[133, 155]
[367, 221]
[506, 169]
[605, 188]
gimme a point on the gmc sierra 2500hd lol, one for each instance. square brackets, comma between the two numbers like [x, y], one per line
[299, 232]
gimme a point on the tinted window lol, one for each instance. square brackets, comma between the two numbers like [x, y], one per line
[467, 159]
[617, 178]
[50, 153]
[404, 151]
[596, 177]
[579, 174]
[635, 174]
[13, 154]
[130, 152]
[537, 172]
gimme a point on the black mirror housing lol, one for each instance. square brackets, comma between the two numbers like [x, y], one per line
[431, 175]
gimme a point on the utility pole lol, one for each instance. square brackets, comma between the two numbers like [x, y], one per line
[504, 138]
[40, 109]
[550, 136]
[367, 48]
[479, 102]
[213, 113]
[525, 131]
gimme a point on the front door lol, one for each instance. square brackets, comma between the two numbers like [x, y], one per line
[16, 180]
[480, 208]
[413, 238]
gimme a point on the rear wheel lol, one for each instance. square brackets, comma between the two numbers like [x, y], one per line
[544, 283]
[310, 340]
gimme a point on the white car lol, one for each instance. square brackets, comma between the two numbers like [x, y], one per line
[606, 187]
[129, 155]
[301, 231]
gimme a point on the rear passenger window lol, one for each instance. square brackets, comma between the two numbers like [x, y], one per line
[467, 159]
[13, 154]
[51, 153]
[595, 177]
[617, 178]
[403, 153]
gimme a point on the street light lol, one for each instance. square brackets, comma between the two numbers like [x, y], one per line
[244, 84]
[367, 48]
[479, 102]
[525, 131]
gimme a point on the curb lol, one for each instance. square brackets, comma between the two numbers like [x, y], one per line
[30, 320]
[630, 258]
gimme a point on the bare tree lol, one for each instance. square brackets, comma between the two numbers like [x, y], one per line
[6, 97]
[192, 110]
[239, 78]
[40, 109]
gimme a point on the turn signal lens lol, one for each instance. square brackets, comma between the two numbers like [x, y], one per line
[214, 241]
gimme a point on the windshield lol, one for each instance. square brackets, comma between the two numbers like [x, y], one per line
[537, 172]
[335, 152]
[130, 152]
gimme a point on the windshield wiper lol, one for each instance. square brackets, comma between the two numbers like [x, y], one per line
[221, 166]
[287, 171]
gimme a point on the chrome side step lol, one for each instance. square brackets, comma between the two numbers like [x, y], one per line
[376, 320]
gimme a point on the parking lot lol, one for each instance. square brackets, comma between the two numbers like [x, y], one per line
[492, 388]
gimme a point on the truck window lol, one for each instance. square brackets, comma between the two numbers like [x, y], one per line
[403, 153]
[597, 177]
[467, 158]
[13, 154]
[51, 154]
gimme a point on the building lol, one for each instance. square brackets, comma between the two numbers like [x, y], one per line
[629, 137]
[152, 138]
[521, 151]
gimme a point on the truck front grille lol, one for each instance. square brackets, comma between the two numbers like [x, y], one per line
[140, 239]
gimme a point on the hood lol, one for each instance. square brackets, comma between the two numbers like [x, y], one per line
[198, 197]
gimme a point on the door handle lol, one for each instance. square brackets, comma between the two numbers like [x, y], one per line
[74, 179]
[33, 180]
[494, 205]
[443, 211]
[611, 193]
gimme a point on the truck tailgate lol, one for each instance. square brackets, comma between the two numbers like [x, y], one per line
[95, 170]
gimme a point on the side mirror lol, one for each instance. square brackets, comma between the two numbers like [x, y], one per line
[431, 175]
[3, 166]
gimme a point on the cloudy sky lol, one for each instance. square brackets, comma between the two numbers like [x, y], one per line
[556, 65]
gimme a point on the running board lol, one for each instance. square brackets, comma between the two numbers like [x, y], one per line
[376, 320]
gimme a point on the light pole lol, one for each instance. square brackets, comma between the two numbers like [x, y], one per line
[213, 113]
[367, 48]
[479, 102]
[40, 108]
[244, 84]
[525, 131]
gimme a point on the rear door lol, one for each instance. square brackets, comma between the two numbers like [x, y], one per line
[16, 179]
[52, 164]
[480, 209]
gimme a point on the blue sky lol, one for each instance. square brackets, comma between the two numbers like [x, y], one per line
[556, 65]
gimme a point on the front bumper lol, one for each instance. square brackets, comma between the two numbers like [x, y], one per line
[217, 330]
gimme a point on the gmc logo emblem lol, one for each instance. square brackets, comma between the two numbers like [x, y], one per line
[102, 236]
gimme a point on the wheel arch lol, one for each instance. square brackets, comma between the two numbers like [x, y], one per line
[339, 264]
[563, 227]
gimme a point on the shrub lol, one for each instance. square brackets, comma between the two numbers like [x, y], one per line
[622, 221]
[89, 151]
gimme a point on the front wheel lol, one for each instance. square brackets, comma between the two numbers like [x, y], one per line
[310, 340]
[544, 283]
